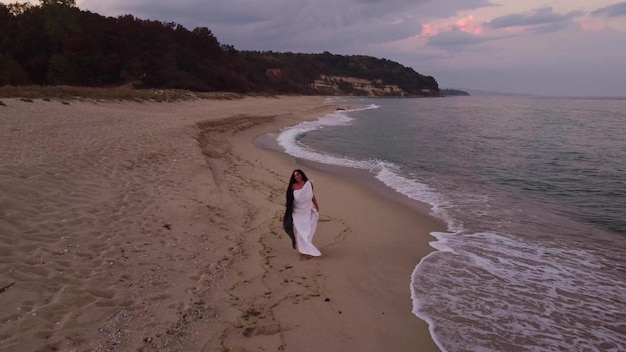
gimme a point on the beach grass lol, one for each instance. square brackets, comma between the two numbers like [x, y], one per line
[75, 93]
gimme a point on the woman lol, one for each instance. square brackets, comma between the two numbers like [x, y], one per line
[303, 211]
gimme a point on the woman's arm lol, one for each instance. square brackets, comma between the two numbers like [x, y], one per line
[317, 207]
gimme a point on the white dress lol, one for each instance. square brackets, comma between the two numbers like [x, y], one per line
[305, 218]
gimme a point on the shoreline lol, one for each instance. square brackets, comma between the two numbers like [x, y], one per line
[121, 234]
[267, 141]
[344, 187]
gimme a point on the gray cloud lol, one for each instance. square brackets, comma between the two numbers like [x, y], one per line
[542, 20]
[208, 12]
[294, 25]
[450, 8]
[455, 38]
[616, 10]
[282, 25]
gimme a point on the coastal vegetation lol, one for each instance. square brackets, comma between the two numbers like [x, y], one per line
[57, 44]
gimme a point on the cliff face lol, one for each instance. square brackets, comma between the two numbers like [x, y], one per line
[343, 85]
[330, 74]
[336, 85]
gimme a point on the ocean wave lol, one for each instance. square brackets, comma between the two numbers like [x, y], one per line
[386, 172]
[288, 139]
[511, 273]
[555, 294]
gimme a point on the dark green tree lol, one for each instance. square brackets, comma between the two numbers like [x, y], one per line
[57, 43]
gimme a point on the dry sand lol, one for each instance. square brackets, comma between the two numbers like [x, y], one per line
[156, 227]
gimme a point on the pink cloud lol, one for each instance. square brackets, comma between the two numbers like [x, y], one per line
[428, 30]
[468, 25]
[592, 26]
[465, 24]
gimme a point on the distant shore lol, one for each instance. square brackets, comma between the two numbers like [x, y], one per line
[156, 226]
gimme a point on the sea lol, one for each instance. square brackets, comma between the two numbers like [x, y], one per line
[533, 193]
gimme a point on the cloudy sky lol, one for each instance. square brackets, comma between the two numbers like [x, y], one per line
[545, 47]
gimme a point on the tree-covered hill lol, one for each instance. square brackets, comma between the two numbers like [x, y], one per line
[56, 43]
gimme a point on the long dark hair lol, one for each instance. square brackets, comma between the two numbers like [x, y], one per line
[289, 196]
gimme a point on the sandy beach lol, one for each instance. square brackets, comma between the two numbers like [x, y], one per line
[157, 227]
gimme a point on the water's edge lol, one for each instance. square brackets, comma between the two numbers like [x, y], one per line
[368, 180]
